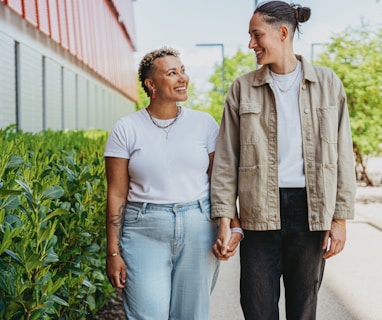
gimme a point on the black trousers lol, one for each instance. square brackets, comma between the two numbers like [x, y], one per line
[294, 252]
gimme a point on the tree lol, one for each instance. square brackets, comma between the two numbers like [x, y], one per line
[355, 56]
[211, 102]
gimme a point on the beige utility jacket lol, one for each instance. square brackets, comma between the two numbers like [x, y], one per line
[246, 160]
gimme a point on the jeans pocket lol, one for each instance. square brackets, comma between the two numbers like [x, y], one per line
[132, 214]
[207, 213]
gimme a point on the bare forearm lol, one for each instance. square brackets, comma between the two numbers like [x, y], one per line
[114, 223]
[118, 184]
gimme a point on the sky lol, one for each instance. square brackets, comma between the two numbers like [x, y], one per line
[184, 23]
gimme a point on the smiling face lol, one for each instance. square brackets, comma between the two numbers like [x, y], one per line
[168, 79]
[268, 41]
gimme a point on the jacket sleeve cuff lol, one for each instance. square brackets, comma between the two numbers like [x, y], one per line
[221, 211]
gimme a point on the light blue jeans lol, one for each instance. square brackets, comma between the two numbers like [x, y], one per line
[171, 270]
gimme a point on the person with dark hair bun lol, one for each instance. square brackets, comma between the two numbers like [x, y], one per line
[284, 154]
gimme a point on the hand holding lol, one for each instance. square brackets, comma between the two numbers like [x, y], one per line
[227, 241]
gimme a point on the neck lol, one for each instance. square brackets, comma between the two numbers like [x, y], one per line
[286, 66]
[163, 112]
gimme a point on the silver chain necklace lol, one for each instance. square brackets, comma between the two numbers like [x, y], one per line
[292, 84]
[169, 126]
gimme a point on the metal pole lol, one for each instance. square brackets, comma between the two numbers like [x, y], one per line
[221, 45]
[312, 49]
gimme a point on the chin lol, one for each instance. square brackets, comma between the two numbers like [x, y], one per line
[260, 61]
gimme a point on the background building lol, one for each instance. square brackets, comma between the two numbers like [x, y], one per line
[66, 64]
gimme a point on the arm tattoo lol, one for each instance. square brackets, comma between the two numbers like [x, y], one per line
[116, 221]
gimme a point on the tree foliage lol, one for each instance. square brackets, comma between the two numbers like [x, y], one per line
[212, 102]
[143, 99]
[355, 56]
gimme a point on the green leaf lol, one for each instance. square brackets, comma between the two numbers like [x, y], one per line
[54, 192]
[88, 284]
[10, 203]
[25, 187]
[14, 256]
[91, 302]
[15, 161]
[55, 213]
[9, 234]
[4, 193]
[51, 257]
[58, 300]
[92, 248]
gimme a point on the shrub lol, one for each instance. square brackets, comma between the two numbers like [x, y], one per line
[52, 225]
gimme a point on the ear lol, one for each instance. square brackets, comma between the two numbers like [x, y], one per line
[284, 32]
[149, 84]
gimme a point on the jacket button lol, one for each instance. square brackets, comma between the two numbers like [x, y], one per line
[306, 110]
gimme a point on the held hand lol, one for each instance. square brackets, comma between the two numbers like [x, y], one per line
[234, 241]
[334, 239]
[220, 248]
[116, 271]
[227, 241]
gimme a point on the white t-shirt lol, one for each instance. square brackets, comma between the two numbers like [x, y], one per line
[165, 167]
[290, 153]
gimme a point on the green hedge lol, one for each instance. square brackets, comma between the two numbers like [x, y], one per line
[52, 225]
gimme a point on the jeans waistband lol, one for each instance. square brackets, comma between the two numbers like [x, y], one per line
[201, 203]
[292, 189]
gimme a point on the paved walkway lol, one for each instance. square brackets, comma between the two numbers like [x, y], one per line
[352, 285]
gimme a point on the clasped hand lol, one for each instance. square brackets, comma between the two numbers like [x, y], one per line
[227, 241]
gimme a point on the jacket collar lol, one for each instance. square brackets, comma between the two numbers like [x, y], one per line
[262, 75]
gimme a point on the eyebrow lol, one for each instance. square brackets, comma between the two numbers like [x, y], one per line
[252, 31]
[172, 69]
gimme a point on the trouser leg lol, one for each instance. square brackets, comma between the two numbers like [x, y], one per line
[195, 267]
[303, 262]
[146, 249]
[261, 266]
[302, 274]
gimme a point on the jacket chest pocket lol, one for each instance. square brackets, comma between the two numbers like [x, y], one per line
[250, 122]
[328, 123]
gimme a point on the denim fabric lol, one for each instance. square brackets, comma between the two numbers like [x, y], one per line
[171, 270]
[294, 252]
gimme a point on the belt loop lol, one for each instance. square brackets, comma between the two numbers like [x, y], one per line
[144, 207]
[201, 205]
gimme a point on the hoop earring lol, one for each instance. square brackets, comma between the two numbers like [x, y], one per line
[153, 95]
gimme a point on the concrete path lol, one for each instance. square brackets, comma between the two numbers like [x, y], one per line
[352, 285]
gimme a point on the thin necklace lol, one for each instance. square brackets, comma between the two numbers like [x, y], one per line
[169, 126]
[290, 87]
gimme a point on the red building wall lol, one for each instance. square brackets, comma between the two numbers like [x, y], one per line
[99, 33]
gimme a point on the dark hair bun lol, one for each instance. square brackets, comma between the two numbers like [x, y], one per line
[302, 14]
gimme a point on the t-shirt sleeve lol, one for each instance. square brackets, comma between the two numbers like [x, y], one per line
[213, 131]
[117, 142]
